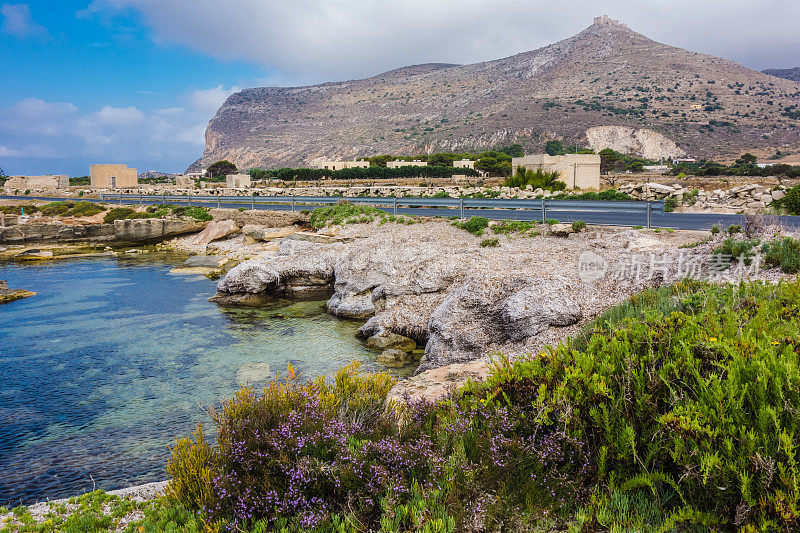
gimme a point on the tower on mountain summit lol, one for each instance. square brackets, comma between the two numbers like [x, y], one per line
[605, 19]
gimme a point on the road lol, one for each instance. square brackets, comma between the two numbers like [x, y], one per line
[685, 221]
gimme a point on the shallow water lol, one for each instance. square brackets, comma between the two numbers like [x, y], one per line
[113, 359]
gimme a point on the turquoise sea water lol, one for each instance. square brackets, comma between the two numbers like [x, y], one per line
[115, 358]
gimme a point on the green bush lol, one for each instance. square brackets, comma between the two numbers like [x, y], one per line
[734, 229]
[715, 229]
[551, 221]
[791, 202]
[474, 225]
[784, 253]
[670, 204]
[537, 179]
[732, 250]
[125, 213]
[28, 209]
[490, 243]
[71, 209]
[578, 226]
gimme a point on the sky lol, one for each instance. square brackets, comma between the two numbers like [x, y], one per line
[136, 81]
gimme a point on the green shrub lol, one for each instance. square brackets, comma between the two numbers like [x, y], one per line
[578, 226]
[715, 230]
[537, 179]
[490, 243]
[732, 250]
[670, 204]
[791, 202]
[27, 209]
[124, 213]
[784, 253]
[198, 213]
[71, 209]
[734, 229]
[474, 225]
[551, 221]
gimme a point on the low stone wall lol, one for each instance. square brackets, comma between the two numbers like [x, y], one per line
[747, 198]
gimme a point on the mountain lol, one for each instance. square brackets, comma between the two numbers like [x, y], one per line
[786, 73]
[608, 86]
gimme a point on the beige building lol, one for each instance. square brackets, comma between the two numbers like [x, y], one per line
[37, 182]
[185, 181]
[340, 165]
[237, 181]
[112, 176]
[578, 171]
[414, 163]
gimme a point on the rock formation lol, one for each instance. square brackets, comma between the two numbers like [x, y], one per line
[605, 76]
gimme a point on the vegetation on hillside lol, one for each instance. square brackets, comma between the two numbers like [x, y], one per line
[743, 166]
[347, 213]
[71, 209]
[158, 211]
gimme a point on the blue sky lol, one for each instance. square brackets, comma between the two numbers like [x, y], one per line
[136, 81]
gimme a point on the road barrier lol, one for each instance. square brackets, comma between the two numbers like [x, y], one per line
[638, 213]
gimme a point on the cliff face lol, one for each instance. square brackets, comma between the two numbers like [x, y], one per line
[607, 75]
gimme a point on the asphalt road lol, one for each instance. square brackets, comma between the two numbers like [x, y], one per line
[686, 221]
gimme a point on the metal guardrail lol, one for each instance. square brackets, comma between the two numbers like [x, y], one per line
[542, 206]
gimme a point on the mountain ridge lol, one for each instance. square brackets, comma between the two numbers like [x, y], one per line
[607, 76]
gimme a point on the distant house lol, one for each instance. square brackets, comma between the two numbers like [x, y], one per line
[678, 161]
[237, 181]
[340, 165]
[466, 163]
[112, 176]
[578, 171]
[414, 163]
[196, 175]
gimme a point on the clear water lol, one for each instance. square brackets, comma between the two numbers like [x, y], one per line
[115, 358]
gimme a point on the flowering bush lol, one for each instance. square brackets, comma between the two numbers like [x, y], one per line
[677, 409]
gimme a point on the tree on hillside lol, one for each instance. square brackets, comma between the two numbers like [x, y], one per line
[607, 159]
[514, 150]
[554, 148]
[222, 168]
[3, 176]
[746, 159]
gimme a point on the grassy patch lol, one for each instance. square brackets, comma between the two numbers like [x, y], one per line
[507, 227]
[492, 242]
[344, 213]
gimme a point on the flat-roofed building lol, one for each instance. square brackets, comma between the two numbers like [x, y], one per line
[578, 171]
[414, 163]
[112, 176]
[37, 182]
[341, 165]
[237, 181]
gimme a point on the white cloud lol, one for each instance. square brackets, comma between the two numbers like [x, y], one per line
[17, 21]
[41, 136]
[322, 39]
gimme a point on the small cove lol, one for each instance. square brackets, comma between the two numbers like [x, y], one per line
[115, 358]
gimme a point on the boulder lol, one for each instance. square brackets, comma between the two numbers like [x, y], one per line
[34, 254]
[481, 314]
[205, 261]
[153, 229]
[392, 357]
[216, 229]
[298, 269]
[435, 384]
[391, 341]
[315, 237]
[561, 230]
[263, 233]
